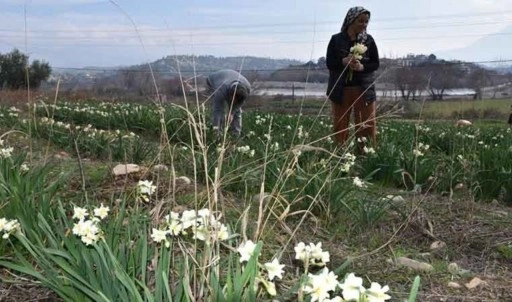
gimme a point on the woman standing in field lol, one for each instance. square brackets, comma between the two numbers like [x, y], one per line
[352, 58]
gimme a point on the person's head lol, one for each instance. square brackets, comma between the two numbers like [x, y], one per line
[356, 20]
[238, 94]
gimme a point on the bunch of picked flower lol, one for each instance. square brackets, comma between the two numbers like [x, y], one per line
[357, 51]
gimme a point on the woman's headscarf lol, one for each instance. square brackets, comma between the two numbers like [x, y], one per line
[351, 16]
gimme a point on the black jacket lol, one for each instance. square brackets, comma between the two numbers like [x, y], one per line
[339, 47]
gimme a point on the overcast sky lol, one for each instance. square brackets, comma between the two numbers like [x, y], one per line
[124, 32]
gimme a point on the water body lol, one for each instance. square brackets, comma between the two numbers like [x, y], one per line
[317, 93]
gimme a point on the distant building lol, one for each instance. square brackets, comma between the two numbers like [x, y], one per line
[414, 60]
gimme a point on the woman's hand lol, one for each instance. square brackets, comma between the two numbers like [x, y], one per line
[356, 65]
[353, 63]
[348, 59]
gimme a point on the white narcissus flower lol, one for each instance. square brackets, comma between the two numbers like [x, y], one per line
[243, 149]
[358, 48]
[223, 233]
[358, 182]
[334, 299]
[362, 139]
[8, 227]
[329, 278]
[274, 269]
[189, 218]
[101, 212]
[369, 150]
[158, 235]
[377, 293]
[317, 252]
[146, 187]
[172, 216]
[317, 288]
[269, 286]
[325, 257]
[6, 152]
[24, 167]
[175, 227]
[3, 223]
[79, 213]
[200, 233]
[90, 238]
[77, 228]
[246, 250]
[301, 252]
[204, 213]
[352, 287]
[87, 230]
[417, 153]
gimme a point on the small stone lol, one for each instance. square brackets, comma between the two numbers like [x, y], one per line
[415, 265]
[437, 245]
[475, 282]
[61, 155]
[462, 123]
[184, 179]
[160, 168]
[454, 285]
[459, 186]
[394, 198]
[453, 268]
[123, 169]
[398, 198]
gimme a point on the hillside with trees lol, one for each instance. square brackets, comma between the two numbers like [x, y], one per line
[189, 64]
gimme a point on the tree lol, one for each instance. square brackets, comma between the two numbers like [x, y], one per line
[443, 76]
[13, 71]
[38, 72]
[322, 63]
[410, 81]
[478, 79]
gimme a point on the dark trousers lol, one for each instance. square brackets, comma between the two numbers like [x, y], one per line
[364, 117]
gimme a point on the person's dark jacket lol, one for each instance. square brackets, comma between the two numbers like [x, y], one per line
[339, 47]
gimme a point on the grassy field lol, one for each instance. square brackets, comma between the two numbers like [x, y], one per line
[279, 214]
[498, 109]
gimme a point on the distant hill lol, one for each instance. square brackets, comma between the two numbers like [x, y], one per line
[488, 48]
[204, 64]
[504, 69]
[187, 65]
